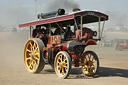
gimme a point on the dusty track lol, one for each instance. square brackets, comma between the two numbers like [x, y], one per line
[113, 66]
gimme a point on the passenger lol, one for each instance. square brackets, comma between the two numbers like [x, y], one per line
[86, 34]
[69, 33]
[57, 31]
[40, 33]
[69, 30]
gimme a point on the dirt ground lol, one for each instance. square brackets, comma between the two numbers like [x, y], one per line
[113, 68]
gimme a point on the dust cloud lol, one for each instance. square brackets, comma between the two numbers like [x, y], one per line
[117, 19]
[113, 65]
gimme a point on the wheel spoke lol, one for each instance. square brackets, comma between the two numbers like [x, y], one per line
[94, 61]
[36, 58]
[60, 59]
[28, 50]
[30, 64]
[64, 59]
[34, 65]
[89, 56]
[62, 71]
[92, 58]
[37, 54]
[91, 70]
[65, 66]
[94, 66]
[87, 68]
[85, 58]
[34, 44]
[36, 49]
[66, 69]
[59, 67]
[37, 62]
[33, 48]
[30, 44]
[29, 58]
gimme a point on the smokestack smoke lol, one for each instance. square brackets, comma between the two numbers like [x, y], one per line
[68, 5]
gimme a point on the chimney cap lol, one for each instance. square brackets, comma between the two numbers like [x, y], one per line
[76, 9]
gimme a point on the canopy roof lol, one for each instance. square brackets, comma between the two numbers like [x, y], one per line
[88, 17]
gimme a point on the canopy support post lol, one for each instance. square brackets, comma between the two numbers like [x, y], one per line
[31, 27]
[30, 32]
[102, 29]
[81, 27]
[99, 29]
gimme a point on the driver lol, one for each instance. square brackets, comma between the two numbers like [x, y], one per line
[37, 33]
[40, 33]
[86, 34]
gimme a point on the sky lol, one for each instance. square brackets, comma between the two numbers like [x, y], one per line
[14, 12]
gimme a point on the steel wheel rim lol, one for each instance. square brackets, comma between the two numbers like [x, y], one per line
[31, 56]
[90, 64]
[61, 65]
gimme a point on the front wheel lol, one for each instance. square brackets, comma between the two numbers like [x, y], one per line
[62, 64]
[90, 63]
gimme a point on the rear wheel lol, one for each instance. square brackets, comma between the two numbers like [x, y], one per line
[33, 55]
[90, 63]
[62, 64]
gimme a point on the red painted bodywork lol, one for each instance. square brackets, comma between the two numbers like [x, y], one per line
[46, 21]
[64, 46]
[54, 39]
[91, 42]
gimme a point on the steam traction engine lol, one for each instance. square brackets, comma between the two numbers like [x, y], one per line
[62, 51]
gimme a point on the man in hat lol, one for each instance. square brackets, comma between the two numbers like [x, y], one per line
[40, 33]
[37, 32]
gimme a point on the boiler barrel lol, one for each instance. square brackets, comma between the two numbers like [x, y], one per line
[51, 14]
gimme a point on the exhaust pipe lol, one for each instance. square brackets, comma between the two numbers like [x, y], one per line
[51, 14]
